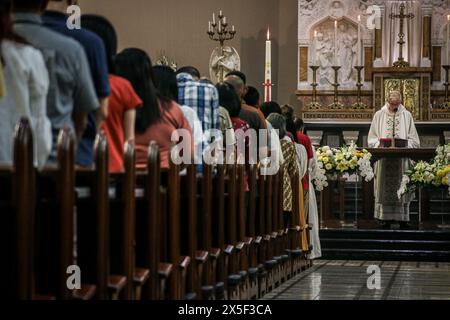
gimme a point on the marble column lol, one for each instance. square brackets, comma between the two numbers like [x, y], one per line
[427, 10]
[379, 41]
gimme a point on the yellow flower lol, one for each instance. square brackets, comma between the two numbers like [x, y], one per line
[342, 167]
[339, 157]
[445, 181]
[329, 166]
[325, 160]
[441, 173]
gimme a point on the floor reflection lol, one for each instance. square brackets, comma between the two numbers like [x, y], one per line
[348, 280]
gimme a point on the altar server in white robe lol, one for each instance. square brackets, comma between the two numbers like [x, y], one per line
[313, 216]
[392, 121]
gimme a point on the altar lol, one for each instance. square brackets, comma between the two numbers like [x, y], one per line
[353, 53]
[350, 203]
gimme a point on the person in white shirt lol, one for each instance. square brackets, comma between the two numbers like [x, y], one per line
[26, 85]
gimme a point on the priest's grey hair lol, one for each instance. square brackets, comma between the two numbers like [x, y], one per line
[395, 94]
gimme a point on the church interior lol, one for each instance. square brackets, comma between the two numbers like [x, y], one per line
[138, 140]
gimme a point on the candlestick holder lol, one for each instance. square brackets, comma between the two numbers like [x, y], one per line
[314, 105]
[336, 104]
[219, 31]
[359, 104]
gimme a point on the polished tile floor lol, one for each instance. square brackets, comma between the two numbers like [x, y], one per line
[348, 280]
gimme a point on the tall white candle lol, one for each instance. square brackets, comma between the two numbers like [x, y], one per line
[268, 69]
[358, 50]
[335, 42]
[214, 18]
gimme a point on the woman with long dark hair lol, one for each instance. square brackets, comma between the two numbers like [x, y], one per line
[167, 85]
[119, 127]
[25, 91]
[160, 116]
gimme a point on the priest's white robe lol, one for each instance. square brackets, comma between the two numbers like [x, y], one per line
[389, 172]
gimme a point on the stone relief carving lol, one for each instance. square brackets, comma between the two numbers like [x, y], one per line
[319, 16]
[323, 53]
[439, 20]
[307, 6]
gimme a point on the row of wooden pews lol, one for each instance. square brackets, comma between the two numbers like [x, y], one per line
[154, 235]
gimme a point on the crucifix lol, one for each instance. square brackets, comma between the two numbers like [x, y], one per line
[401, 63]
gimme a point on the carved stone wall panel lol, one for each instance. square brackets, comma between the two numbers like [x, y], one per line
[429, 141]
[315, 15]
[326, 100]
[437, 57]
[439, 20]
[303, 56]
[368, 64]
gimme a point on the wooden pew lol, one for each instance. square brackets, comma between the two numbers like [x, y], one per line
[150, 212]
[234, 278]
[17, 204]
[55, 226]
[261, 240]
[93, 225]
[190, 218]
[244, 242]
[171, 243]
[206, 226]
[123, 228]
[251, 232]
[219, 229]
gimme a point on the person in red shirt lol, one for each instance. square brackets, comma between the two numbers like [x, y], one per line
[123, 100]
[119, 126]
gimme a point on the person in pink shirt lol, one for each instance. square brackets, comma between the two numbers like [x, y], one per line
[159, 117]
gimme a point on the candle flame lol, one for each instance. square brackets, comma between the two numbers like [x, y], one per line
[335, 23]
[268, 34]
[359, 18]
[448, 17]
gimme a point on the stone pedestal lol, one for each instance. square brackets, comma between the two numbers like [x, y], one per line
[350, 137]
[316, 137]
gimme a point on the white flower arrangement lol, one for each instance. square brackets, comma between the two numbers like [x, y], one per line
[347, 160]
[443, 155]
[319, 177]
[428, 175]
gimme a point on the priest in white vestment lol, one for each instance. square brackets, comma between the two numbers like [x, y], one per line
[392, 121]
